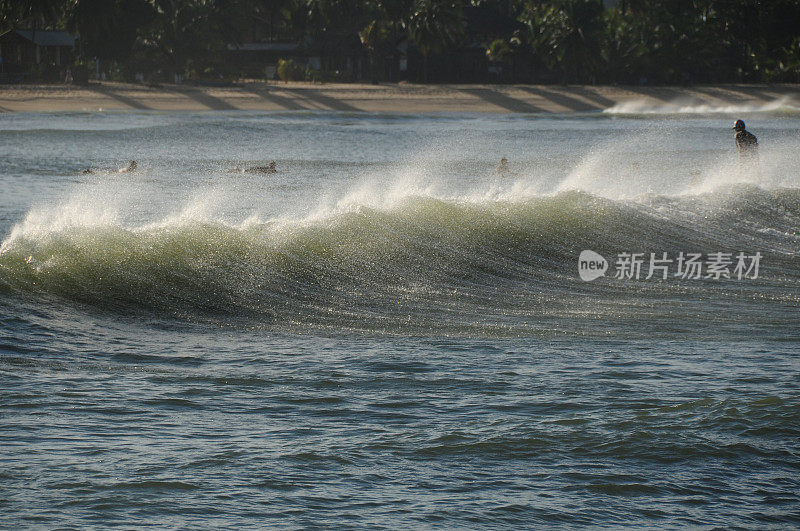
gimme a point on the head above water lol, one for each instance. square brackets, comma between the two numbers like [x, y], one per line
[739, 125]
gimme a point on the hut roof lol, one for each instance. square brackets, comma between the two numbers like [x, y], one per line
[45, 37]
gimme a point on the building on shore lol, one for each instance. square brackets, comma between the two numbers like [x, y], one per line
[45, 51]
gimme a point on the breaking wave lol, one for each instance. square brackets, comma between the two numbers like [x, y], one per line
[423, 263]
[782, 105]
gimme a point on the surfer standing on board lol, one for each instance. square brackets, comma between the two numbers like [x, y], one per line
[746, 143]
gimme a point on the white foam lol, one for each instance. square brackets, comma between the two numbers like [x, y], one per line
[646, 161]
[784, 104]
[776, 167]
[42, 222]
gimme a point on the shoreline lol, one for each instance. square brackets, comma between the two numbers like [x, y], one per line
[389, 97]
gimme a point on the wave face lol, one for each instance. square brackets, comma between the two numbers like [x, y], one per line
[396, 224]
[384, 332]
[423, 264]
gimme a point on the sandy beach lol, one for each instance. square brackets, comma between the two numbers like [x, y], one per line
[404, 98]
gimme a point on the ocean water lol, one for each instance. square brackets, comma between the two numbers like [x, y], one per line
[385, 333]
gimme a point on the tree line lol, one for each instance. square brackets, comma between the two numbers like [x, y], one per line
[563, 41]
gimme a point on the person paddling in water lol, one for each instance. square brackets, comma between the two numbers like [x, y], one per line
[503, 171]
[746, 143]
[130, 168]
[269, 168]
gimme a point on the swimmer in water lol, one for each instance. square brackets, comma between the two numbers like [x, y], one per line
[269, 168]
[130, 169]
[502, 169]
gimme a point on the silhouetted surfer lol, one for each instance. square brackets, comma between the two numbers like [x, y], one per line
[746, 143]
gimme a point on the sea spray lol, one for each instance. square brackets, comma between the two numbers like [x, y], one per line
[368, 267]
[688, 106]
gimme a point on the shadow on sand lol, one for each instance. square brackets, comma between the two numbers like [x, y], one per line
[113, 94]
[501, 100]
[286, 104]
[328, 102]
[304, 99]
[570, 102]
[206, 100]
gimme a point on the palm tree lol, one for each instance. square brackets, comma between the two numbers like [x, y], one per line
[183, 29]
[272, 12]
[625, 48]
[568, 33]
[433, 26]
[372, 37]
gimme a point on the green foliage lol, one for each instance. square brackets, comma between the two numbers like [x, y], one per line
[789, 64]
[109, 28]
[313, 76]
[338, 17]
[374, 35]
[182, 29]
[497, 50]
[288, 70]
[624, 51]
[567, 34]
[435, 25]
[36, 14]
[660, 41]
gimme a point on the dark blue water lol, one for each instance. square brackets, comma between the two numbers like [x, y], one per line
[385, 334]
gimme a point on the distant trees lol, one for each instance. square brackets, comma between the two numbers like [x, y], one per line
[281, 17]
[568, 36]
[182, 30]
[568, 41]
[109, 29]
[434, 27]
[36, 13]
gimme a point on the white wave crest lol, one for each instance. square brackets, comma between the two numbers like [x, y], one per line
[784, 104]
